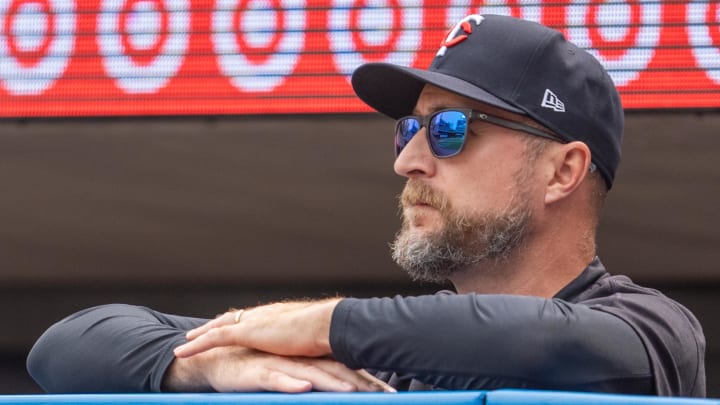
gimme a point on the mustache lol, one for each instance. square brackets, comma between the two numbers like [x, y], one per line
[417, 192]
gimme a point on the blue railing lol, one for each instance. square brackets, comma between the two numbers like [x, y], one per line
[500, 397]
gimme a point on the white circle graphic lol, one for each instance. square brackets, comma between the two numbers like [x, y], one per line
[375, 22]
[255, 24]
[257, 27]
[615, 21]
[143, 28]
[458, 9]
[707, 54]
[29, 29]
[144, 14]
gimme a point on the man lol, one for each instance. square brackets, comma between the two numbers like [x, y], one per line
[509, 141]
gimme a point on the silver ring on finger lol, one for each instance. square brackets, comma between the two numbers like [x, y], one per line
[238, 315]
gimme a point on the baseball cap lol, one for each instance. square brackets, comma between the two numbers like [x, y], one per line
[518, 66]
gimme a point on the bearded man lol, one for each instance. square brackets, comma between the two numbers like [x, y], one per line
[510, 142]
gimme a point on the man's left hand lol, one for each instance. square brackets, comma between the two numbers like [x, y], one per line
[288, 328]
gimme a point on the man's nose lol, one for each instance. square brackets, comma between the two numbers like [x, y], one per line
[416, 159]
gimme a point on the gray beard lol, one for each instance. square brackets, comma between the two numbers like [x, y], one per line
[462, 244]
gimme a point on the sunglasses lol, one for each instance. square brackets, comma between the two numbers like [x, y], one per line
[447, 130]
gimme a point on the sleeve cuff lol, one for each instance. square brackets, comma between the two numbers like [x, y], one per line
[338, 331]
[164, 362]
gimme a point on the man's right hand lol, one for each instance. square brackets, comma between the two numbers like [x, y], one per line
[238, 369]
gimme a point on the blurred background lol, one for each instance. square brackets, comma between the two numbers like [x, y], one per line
[148, 158]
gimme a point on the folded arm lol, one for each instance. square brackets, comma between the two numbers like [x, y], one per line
[123, 348]
[111, 348]
[492, 341]
[451, 341]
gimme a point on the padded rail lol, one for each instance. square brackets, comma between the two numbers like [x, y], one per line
[315, 398]
[500, 397]
[526, 397]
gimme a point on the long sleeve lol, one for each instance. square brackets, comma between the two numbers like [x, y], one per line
[111, 348]
[492, 341]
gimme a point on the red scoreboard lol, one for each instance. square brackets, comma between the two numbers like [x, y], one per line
[198, 57]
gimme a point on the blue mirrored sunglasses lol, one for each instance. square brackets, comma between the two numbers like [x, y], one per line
[447, 129]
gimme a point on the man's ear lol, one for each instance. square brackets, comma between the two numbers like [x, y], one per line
[570, 163]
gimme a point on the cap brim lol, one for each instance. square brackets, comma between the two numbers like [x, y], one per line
[394, 90]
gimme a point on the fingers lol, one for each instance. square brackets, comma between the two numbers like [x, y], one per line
[375, 382]
[234, 369]
[280, 382]
[237, 369]
[309, 370]
[360, 379]
[328, 375]
[228, 318]
[215, 336]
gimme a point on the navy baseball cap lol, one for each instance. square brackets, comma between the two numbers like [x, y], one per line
[518, 66]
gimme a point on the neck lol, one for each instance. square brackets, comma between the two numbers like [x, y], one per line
[540, 267]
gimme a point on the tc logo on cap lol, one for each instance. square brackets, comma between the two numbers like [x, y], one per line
[454, 36]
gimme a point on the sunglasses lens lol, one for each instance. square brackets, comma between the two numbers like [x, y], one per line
[404, 131]
[447, 132]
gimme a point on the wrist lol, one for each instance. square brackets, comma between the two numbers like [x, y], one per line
[323, 315]
[188, 374]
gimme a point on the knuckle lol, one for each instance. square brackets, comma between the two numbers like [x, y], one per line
[264, 376]
[216, 333]
[274, 381]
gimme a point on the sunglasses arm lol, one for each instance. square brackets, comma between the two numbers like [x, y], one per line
[516, 126]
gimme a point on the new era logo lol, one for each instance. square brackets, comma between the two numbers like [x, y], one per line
[550, 100]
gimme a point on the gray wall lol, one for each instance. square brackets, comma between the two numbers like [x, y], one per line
[193, 215]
